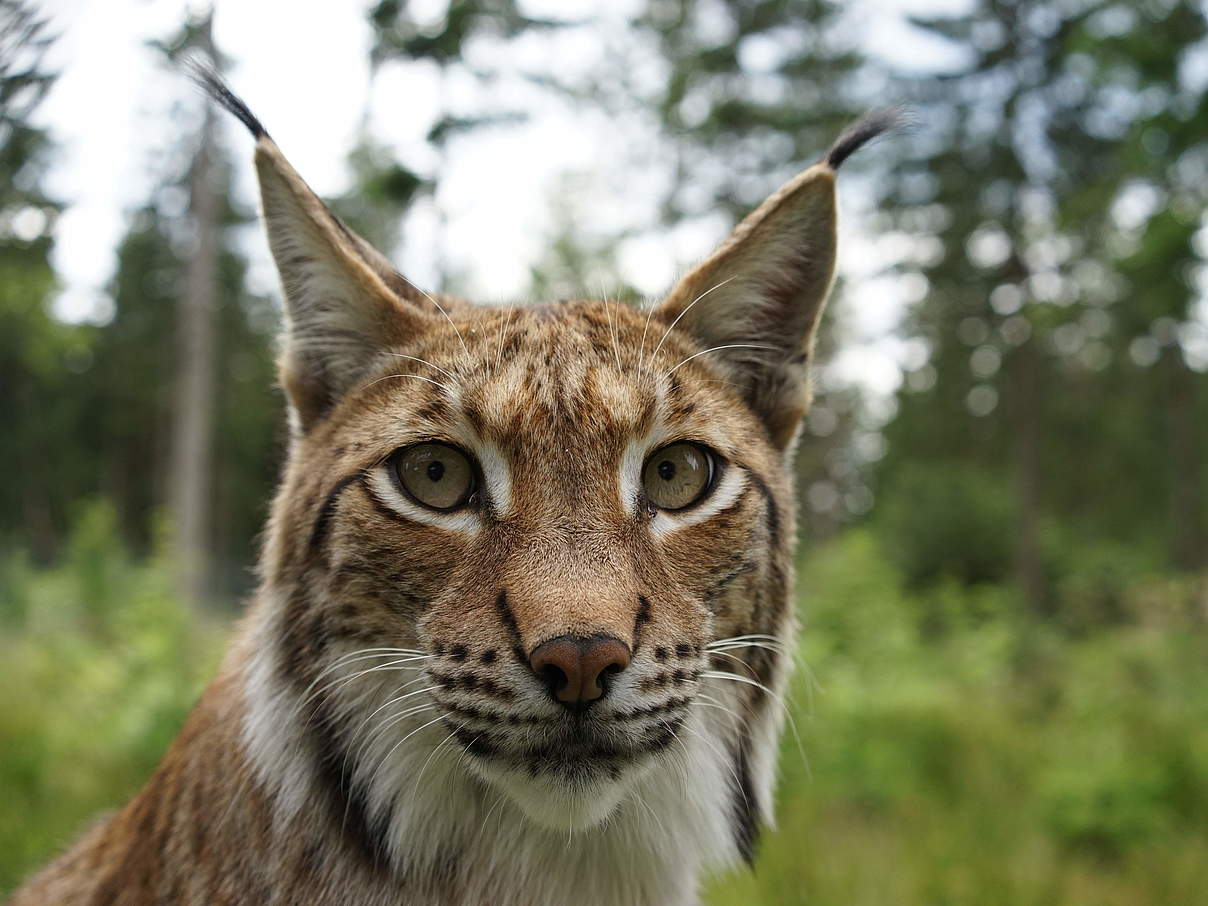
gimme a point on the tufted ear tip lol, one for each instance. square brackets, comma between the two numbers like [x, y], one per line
[872, 125]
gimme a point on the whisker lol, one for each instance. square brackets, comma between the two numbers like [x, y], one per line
[667, 333]
[439, 745]
[722, 708]
[344, 680]
[498, 801]
[388, 755]
[361, 727]
[361, 654]
[642, 344]
[737, 660]
[444, 387]
[503, 326]
[399, 355]
[721, 759]
[715, 349]
[391, 664]
[738, 646]
[640, 800]
[743, 638]
[612, 328]
[464, 347]
[721, 674]
[386, 724]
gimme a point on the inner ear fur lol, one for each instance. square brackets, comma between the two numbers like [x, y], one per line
[761, 295]
[344, 302]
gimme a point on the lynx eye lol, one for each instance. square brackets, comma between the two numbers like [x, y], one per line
[678, 475]
[436, 475]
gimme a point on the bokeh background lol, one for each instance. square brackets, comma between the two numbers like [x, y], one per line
[1004, 568]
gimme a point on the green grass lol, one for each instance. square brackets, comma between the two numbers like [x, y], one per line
[954, 752]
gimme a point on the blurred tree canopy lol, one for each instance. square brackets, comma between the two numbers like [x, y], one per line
[1049, 209]
[1054, 195]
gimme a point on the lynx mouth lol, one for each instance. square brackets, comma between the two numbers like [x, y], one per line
[583, 750]
[566, 781]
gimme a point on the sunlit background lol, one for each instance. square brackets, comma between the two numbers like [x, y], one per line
[1005, 524]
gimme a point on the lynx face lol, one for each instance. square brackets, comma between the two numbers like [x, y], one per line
[537, 555]
[560, 519]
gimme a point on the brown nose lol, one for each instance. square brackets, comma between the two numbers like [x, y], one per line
[576, 669]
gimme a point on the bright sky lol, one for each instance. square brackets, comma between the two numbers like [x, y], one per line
[303, 69]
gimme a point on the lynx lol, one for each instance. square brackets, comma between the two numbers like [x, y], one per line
[525, 612]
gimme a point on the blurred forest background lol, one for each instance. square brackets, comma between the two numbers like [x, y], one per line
[1005, 559]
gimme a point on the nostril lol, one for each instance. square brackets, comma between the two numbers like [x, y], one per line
[554, 678]
[577, 670]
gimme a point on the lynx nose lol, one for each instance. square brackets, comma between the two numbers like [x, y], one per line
[577, 669]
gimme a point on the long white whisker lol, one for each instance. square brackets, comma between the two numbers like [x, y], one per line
[715, 349]
[437, 748]
[399, 355]
[612, 328]
[464, 347]
[742, 638]
[737, 660]
[389, 722]
[734, 677]
[387, 756]
[645, 328]
[720, 758]
[667, 333]
[498, 801]
[356, 655]
[360, 728]
[716, 707]
[363, 654]
[503, 327]
[444, 387]
[387, 666]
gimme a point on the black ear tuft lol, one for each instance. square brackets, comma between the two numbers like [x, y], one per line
[208, 80]
[865, 129]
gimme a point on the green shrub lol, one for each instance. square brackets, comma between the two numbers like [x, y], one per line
[100, 665]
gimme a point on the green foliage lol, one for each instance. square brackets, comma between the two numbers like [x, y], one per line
[946, 520]
[990, 759]
[101, 664]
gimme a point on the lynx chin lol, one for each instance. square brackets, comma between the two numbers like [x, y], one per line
[525, 610]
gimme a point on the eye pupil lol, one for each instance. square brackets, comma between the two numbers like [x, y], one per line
[666, 470]
[436, 470]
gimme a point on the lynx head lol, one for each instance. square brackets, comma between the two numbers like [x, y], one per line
[556, 540]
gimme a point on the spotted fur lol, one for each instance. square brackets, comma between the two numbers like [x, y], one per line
[376, 734]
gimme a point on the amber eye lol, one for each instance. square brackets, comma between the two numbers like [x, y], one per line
[436, 475]
[678, 475]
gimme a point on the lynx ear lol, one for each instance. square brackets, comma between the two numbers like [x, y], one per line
[343, 299]
[756, 301]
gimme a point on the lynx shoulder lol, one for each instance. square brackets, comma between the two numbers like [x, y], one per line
[525, 616]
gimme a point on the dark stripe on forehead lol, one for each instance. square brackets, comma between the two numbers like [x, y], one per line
[318, 533]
